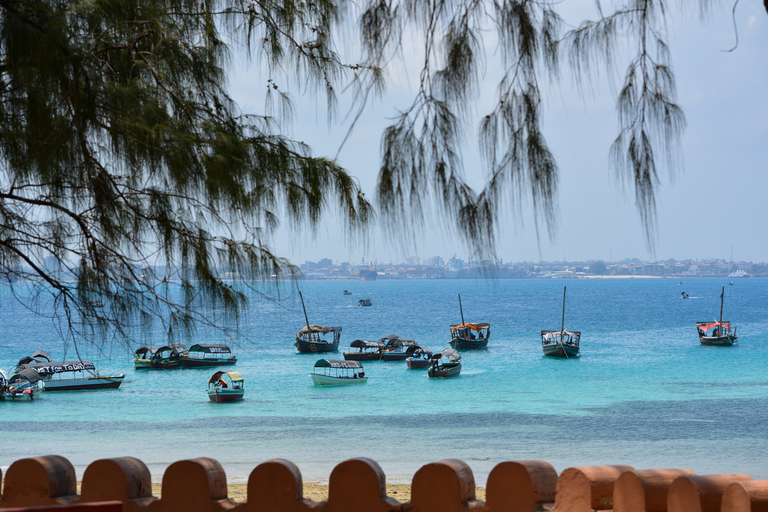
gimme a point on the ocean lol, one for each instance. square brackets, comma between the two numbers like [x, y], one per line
[644, 392]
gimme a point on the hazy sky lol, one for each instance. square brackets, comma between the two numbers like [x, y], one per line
[714, 206]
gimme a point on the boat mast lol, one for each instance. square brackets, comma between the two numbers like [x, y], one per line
[722, 294]
[461, 310]
[305, 312]
[562, 321]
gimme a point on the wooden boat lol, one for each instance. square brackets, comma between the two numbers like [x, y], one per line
[72, 376]
[23, 386]
[366, 351]
[684, 295]
[225, 386]
[312, 338]
[143, 359]
[418, 357]
[168, 357]
[395, 348]
[347, 292]
[364, 302]
[207, 355]
[445, 364]
[469, 336]
[331, 372]
[717, 333]
[561, 343]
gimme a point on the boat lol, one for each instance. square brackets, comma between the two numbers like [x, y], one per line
[205, 355]
[312, 338]
[368, 275]
[469, 336]
[450, 367]
[395, 348]
[418, 357]
[739, 274]
[24, 386]
[561, 343]
[225, 386]
[684, 295]
[143, 359]
[71, 375]
[347, 292]
[332, 372]
[366, 351]
[365, 302]
[168, 357]
[717, 333]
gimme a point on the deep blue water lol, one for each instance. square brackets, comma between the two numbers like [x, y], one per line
[643, 392]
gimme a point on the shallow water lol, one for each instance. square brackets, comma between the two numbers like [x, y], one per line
[643, 392]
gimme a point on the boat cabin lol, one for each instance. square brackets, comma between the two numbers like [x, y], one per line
[469, 331]
[364, 350]
[714, 329]
[560, 338]
[203, 354]
[333, 372]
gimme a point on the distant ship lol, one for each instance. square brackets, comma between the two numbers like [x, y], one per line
[739, 273]
[368, 275]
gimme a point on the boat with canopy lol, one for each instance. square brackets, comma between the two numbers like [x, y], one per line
[226, 386]
[168, 357]
[469, 335]
[561, 343]
[445, 364]
[332, 372]
[72, 375]
[143, 359]
[205, 355]
[717, 332]
[396, 348]
[316, 338]
[366, 350]
[418, 357]
[23, 386]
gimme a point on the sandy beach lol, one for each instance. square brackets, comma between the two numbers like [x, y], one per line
[318, 491]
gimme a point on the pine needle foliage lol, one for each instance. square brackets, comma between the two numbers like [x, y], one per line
[121, 148]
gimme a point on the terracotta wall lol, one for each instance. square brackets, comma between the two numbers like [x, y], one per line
[358, 485]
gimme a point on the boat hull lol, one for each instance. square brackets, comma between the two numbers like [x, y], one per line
[166, 365]
[142, 364]
[415, 364]
[444, 371]
[460, 343]
[84, 383]
[312, 347]
[560, 350]
[219, 395]
[719, 341]
[200, 362]
[328, 380]
[362, 356]
[26, 395]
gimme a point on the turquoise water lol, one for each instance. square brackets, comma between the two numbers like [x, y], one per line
[643, 392]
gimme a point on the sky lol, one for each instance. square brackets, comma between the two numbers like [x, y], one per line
[712, 208]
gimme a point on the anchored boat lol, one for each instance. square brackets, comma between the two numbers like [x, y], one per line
[314, 338]
[168, 357]
[23, 386]
[445, 364]
[561, 343]
[143, 359]
[469, 336]
[418, 357]
[332, 372]
[207, 355]
[72, 376]
[225, 387]
[717, 333]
